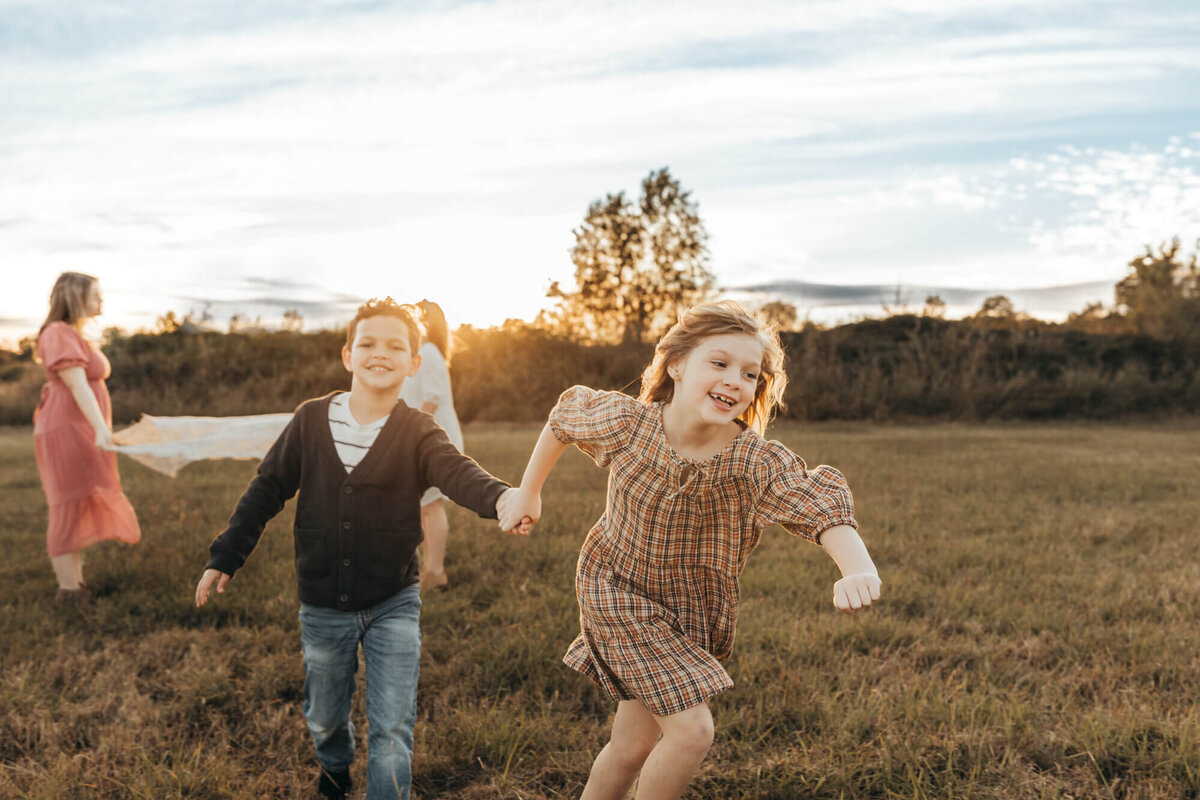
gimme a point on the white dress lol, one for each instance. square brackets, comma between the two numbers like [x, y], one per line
[432, 384]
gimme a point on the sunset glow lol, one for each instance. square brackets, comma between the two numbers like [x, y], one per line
[312, 156]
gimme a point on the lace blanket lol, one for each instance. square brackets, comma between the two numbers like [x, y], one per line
[167, 444]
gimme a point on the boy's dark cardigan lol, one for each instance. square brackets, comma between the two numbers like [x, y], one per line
[355, 533]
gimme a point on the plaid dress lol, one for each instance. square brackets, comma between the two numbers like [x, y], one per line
[657, 579]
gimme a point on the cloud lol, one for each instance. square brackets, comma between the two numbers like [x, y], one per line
[337, 141]
[1116, 200]
[839, 302]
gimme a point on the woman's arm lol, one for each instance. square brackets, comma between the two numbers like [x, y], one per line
[76, 380]
[527, 500]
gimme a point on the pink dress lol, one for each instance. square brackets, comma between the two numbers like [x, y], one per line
[81, 481]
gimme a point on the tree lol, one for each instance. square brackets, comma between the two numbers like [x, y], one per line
[780, 314]
[1095, 318]
[292, 321]
[935, 307]
[636, 266]
[996, 307]
[1161, 294]
[997, 312]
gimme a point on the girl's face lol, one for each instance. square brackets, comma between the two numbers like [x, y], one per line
[719, 377]
[93, 301]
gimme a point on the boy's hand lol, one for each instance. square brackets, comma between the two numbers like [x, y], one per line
[518, 510]
[856, 591]
[206, 581]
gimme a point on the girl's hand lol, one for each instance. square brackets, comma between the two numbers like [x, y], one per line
[856, 591]
[518, 510]
[206, 581]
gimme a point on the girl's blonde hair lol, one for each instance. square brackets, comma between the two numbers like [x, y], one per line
[436, 329]
[68, 299]
[715, 319]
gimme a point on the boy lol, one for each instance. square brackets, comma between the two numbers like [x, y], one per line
[361, 461]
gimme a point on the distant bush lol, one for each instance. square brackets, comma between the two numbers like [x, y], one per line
[902, 367]
[911, 367]
[518, 372]
[222, 374]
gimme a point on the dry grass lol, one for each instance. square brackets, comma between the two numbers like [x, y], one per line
[1038, 638]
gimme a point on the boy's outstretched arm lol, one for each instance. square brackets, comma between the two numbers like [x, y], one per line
[209, 577]
[526, 501]
[860, 580]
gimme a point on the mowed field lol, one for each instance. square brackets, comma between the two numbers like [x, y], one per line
[1038, 635]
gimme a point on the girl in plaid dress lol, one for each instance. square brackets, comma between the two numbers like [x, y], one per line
[692, 483]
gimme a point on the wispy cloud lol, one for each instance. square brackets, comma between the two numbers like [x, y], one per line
[334, 141]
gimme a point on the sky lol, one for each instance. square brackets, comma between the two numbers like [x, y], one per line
[220, 157]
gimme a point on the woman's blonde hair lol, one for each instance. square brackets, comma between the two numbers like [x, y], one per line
[715, 319]
[68, 299]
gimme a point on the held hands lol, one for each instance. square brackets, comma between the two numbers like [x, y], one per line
[856, 591]
[518, 510]
[209, 577]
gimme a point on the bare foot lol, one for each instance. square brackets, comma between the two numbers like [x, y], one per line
[431, 580]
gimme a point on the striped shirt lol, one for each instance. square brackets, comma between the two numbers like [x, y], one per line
[351, 439]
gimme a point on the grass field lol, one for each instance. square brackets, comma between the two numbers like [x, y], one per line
[1038, 636]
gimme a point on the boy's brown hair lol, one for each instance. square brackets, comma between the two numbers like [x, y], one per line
[409, 315]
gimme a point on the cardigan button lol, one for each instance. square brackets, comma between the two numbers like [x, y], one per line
[345, 562]
[349, 490]
[344, 598]
[346, 525]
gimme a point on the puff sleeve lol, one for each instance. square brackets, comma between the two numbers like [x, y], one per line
[805, 502]
[59, 347]
[596, 422]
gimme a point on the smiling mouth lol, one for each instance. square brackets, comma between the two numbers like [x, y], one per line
[727, 402]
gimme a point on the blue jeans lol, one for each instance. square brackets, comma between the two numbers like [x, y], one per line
[391, 641]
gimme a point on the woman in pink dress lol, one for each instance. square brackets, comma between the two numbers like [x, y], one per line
[72, 430]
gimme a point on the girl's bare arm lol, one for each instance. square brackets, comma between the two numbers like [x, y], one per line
[860, 580]
[527, 500]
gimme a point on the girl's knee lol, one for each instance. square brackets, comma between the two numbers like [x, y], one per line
[692, 729]
[630, 752]
[700, 736]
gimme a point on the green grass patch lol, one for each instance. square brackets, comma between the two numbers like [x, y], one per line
[1037, 636]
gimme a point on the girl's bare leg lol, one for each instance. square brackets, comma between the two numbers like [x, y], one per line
[67, 570]
[686, 737]
[634, 732]
[437, 529]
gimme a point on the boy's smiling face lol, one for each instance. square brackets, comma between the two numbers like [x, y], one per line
[381, 356]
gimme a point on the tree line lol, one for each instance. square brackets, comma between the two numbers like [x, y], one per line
[637, 264]
[905, 367]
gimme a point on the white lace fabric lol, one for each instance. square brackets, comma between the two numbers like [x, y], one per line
[167, 444]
